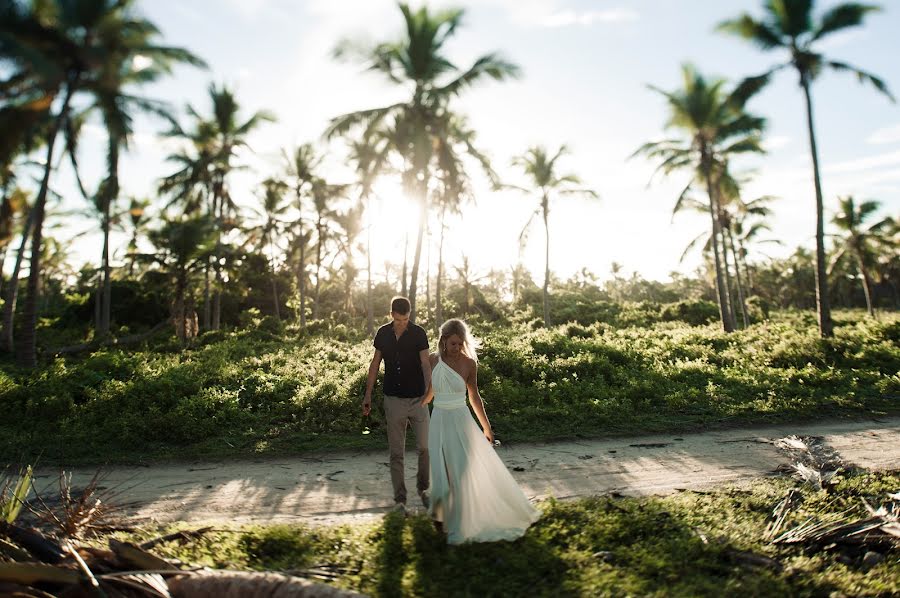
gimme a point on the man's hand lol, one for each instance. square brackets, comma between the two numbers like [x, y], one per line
[367, 405]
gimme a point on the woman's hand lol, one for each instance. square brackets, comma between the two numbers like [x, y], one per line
[489, 434]
[426, 399]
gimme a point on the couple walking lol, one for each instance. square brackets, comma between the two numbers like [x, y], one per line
[471, 493]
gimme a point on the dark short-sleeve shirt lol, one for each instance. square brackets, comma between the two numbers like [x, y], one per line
[402, 365]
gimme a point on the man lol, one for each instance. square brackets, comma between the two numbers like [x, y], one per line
[407, 377]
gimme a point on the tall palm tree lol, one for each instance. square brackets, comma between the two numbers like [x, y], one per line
[349, 227]
[455, 145]
[368, 155]
[133, 61]
[788, 25]
[216, 139]
[272, 212]
[324, 195]
[542, 172]
[715, 127]
[417, 62]
[857, 242]
[64, 46]
[301, 167]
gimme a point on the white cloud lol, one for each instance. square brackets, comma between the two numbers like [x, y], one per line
[776, 142]
[570, 17]
[867, 163]
[885, 135]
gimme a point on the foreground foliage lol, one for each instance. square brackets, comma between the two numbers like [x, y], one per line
[690, 544]
[266, 389]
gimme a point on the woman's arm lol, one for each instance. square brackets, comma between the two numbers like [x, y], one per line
[478, 403]
[429, 392]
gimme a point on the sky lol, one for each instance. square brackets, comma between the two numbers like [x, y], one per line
[586, 66]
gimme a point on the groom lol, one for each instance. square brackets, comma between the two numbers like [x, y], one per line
[407, 377]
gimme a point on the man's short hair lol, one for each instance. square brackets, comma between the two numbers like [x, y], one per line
[400, 305]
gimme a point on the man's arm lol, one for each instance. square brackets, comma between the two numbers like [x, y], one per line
[426, 370]
[370, 381]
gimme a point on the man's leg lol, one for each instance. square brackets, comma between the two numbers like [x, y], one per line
[396, 415]
[419, 417]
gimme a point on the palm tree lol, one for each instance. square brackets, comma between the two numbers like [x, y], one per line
[64, 46]
[324, 195]
[715, 127]
[273, 210]
[133, 61]
[368, 156]
[541, 170]
[215, 140]
[857, 242]
[453, 184]
[350, 225]
[301, 166]
[417, 62]
[184, 245]
[789, 25]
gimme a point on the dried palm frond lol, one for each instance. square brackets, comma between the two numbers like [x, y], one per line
[880, 529]
[815, 463]
[781, 511]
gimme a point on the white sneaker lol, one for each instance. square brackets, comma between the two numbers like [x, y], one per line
[399, 508]
[426, 499]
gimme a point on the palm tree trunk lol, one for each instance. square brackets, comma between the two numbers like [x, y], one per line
[737, 273]
[26, 353]
[110, 192]
[822, 304]
[319, 242]
[103, 290]
[12, 291]
[302, 281]
[545, 206]
[724, 314]
[414, 273]
[867, 284]
[206, 301]
[438, 291]
[370, 317]
[403, 286]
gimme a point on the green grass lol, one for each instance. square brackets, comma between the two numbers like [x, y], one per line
[268, 391]
[681, 545]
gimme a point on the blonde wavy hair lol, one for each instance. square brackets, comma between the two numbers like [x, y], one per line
[461, 329]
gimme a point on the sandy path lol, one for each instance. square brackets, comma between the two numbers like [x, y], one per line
[351, 486]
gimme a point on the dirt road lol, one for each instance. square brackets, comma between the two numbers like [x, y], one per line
[352, 486]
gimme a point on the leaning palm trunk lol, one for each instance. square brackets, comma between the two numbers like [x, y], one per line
[404, 289]
[26, 353]
[724, 313]
[301, 275]
[12, 292]
[737, 273]
[207, 305]
[729, 283]
[545, 205]
[320, 231]
[822, 304]
[867, 283]
[370, 318]
[110, 193]
[438, 286]
[414, 273]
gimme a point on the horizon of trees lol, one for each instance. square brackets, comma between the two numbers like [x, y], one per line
[308, 237]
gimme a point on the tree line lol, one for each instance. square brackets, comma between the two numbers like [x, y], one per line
[73, 60]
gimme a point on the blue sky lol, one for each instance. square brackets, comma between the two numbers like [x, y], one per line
[585, 68]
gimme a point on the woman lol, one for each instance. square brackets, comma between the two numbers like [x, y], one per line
[472, 492]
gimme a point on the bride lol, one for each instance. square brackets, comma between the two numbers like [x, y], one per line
[472, 492]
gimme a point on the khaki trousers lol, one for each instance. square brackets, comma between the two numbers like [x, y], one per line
[400, 412]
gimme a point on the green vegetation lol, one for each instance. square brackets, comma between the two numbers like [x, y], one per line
[690, 544]
[268, 389]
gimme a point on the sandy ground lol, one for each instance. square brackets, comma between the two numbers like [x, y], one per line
[346, 487]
